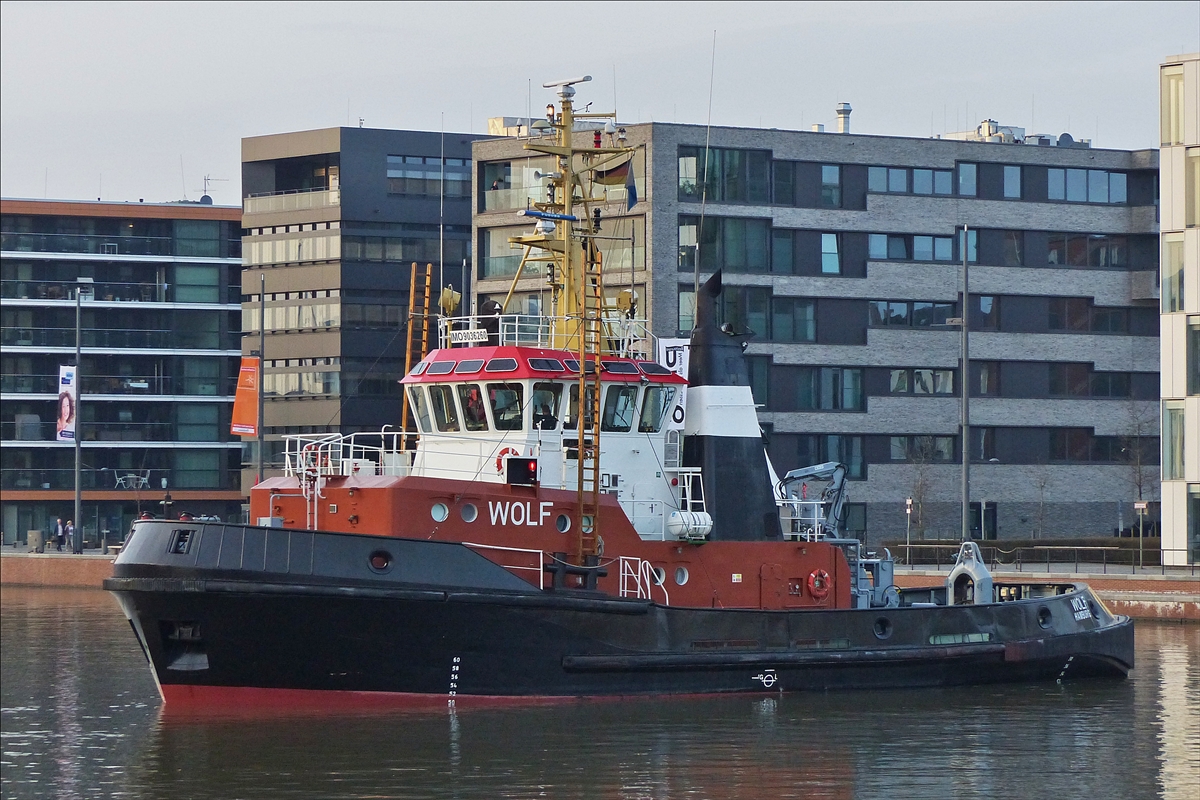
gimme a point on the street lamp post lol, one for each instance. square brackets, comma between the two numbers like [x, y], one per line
[77, 538]
[966, 393]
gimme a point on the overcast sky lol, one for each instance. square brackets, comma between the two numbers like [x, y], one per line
[107, 99]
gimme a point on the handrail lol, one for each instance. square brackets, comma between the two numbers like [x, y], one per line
[1109, 555]
[628, 338]
[541, 556]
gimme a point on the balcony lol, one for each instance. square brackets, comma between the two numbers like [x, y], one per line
[291, 200]
[117, 245]
[137, 385]
[28, 430]
[143, 484]
[119, 339]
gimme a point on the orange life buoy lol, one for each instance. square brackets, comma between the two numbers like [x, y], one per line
[819, 584]
[508, 451]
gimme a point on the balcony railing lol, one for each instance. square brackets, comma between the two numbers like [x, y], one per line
[65, 290]
[121, 384]
[93, 338]
[30, 431]
[145, 484]
[292, 200]
[117, 245]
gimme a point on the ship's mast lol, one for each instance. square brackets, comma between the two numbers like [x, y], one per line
[566, 240]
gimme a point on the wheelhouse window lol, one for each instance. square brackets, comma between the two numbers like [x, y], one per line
[420, 406]
[445, 414]
[505, 400]
[656, 402]
[619, 404]
[474, 411]
[545, 400]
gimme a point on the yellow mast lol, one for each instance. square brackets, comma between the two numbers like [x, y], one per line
[578, 307]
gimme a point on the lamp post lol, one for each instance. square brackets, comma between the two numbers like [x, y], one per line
[966, 393]
[80, 285]
[908, 532]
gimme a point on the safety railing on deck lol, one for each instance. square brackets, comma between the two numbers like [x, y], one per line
[638, 579]
[628, 338]
[1053, 558]
[539, 556]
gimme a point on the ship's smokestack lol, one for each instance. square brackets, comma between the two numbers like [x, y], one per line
[843, 114]
[721, 429]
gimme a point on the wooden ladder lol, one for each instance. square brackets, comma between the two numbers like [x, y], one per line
[417, 341]
[591, 332]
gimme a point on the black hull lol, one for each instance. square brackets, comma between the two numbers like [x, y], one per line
[232, 626]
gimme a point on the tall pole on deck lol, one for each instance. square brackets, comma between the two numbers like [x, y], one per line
[262, 364]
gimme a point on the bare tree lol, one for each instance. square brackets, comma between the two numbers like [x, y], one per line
[921, 456]
[1040, 475]
[1141, 425]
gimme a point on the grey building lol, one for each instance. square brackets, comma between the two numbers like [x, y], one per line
[840, 253]
[159, 338]
[334, 219]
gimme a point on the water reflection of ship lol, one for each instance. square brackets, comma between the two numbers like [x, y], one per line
[553, 532]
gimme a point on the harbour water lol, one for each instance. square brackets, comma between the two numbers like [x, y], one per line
[82, 718]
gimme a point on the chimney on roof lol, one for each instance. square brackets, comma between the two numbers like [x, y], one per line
[818, 128]
[843, 115]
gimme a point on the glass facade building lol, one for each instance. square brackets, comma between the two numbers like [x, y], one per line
[159, 336]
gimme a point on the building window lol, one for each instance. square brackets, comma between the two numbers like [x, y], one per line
[735, 244]
[972, 245]
[902, 313]
[922, 381]
[922, 449]
[730, 176]
[831, 186]
[1110, 384]
[831, 261]
[760, 379]
[1193, 356]
[856, 520]
[1069, 380]
[986, 378]
[933, 248]
[1012, 182]
[1077, 314]
[1013, 252]
[931, 181]
[829, 389]
[793, 320]
[983, 444]
[1172, 440]
[422, 175]
[968, 179]
[893, 180]
[1087, 250]
[1086, 185]
[1172, 105]
[1070, 444]
[687, 309]
[745, 309]
[986, 312]
[1172, 273]
[783, 183]
[821, 448]
[514, 184]
[1191, 180]
[782, 251]
[197, 284]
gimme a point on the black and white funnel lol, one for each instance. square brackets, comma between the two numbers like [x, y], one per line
[721, 429]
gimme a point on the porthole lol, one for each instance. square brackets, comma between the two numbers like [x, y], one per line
[380, 561]
[1044, 617]
[439, 512]
[469, 512]
[883, 628]
[681, 576]
[660, 576]
[563, 523]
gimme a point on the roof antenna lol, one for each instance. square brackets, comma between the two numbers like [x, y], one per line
[182, 179]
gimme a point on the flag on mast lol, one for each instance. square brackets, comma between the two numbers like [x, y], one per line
[620, 175]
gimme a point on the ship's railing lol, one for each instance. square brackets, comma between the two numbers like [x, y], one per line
[801, 519]
[538, 556]
[638, 579]
[624, 337]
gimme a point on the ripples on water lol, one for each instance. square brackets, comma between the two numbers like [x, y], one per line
[81, 718]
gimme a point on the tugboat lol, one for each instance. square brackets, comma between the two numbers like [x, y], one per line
[549, 529]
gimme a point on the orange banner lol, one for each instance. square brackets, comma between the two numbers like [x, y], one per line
[245, 402]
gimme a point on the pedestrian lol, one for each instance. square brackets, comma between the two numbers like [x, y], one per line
[69, 532]
[60, 534]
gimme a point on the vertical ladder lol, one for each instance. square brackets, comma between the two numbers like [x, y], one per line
[416, 342]
[591, 308]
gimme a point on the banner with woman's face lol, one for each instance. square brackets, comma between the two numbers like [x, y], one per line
[68, 398]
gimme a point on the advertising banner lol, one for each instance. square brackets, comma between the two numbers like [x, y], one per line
[245, 400]
[68, 404]
[673, 354]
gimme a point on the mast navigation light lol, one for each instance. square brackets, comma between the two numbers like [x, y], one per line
[550, 111]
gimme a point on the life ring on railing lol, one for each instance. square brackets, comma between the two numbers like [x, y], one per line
[819, 584]
[508, 451]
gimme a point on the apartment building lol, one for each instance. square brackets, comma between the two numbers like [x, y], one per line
[1179, 173]
[334, 219]
[842, 254]
[159, 329]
